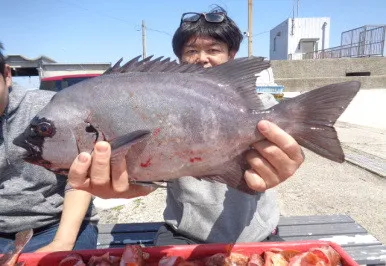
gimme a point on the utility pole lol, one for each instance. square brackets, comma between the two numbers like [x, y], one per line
[143, 40]
[250, 13]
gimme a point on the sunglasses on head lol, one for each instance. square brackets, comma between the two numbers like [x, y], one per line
[217, 17]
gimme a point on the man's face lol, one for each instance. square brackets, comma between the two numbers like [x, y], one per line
[5, 83]
[206, 51]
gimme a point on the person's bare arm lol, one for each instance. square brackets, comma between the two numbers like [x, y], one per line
[75, 206]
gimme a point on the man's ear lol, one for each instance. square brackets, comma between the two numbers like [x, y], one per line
[232, 54]
[8, 76]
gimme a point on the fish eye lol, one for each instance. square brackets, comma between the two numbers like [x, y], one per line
[91, 129]
[44, 129]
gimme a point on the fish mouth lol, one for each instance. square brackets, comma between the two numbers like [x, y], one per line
[36, 159]
[34, 155]
[34, 151]
[61, 171]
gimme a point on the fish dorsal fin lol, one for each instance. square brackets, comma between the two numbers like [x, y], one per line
[239, 73]
[114, 68]
[156, 65]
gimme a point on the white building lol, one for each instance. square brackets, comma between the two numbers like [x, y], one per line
[294, 38]
[54, 76]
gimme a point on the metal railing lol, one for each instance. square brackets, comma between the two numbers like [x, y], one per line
[354, 50]
[364, 42]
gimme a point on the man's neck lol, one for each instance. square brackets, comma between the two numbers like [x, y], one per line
[4, 102]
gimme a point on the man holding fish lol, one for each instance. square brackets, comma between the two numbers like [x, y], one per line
[191, 125]
[212, 194]
[201, 211]
[198, 210]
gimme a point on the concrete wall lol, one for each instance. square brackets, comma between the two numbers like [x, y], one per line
[303, 75]
[366, 109]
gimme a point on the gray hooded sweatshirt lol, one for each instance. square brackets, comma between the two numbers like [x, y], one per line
[30, 196]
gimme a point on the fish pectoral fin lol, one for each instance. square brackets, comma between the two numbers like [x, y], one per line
[128, 139]
[232, 174]
[156, 184]
[121, 144]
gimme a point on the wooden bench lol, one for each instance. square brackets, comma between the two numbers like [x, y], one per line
[341, 229]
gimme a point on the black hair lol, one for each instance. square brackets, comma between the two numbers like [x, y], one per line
[2, 60]
[225, 31]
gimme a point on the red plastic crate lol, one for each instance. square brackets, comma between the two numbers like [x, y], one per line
[187, 252]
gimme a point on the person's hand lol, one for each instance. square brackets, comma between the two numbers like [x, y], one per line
[56, 245]
[273, 159]
[101, 178]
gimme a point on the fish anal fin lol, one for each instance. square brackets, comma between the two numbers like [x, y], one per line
[120, 145]
[232, 174]
[240, 184]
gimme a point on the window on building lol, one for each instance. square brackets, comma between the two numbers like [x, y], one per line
[307, 47]
[274, 44]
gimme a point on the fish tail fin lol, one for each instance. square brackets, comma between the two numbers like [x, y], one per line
[310, 117]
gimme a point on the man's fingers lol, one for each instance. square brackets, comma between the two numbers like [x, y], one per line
[254, 181]
[102, 176]
[100, 168]
[78, 174]
[262, 176]
[119, 176]
[282, 139]
[284, 166]
[121, 185]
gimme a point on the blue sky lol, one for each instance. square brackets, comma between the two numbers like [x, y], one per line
[76, 31]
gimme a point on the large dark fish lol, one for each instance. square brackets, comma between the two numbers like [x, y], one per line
[173, 120]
